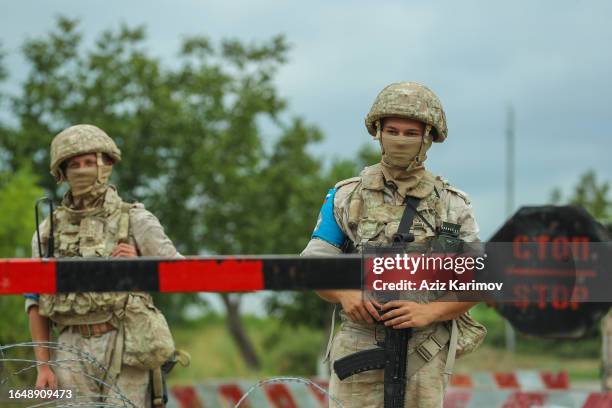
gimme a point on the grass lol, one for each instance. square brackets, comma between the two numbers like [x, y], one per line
[492, 359]
[214, 355]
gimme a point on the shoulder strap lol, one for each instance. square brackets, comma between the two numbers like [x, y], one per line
[403, 231]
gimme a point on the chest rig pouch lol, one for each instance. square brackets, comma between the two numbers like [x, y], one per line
[374, 214]
[88, 233]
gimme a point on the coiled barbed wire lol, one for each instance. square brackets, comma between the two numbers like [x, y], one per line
[299, 380]
[73, 403]
[57, 364]
[81, 356]
[123, 401]
[57, 346]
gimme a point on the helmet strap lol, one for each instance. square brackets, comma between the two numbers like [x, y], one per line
[418, 157]
[378, 129]
[61, 177]
[100, 163]
[378, 135]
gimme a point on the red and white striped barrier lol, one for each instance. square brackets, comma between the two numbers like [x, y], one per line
[521, 389]
[519, 380]
[273, 395]
[462, 398]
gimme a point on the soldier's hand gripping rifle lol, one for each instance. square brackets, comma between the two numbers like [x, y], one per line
[389, 355]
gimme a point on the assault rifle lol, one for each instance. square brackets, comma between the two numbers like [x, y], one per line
[390, 355]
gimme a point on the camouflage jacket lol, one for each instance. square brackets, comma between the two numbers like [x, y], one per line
[368, 209]
[94, 233]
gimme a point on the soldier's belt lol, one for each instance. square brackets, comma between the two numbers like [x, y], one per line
[92, 330]
[194, 274]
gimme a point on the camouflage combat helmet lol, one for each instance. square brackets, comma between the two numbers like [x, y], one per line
[80, 139]
[409, 100]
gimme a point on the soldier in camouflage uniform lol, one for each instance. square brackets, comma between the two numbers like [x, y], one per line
[405, 119]
[93, 221]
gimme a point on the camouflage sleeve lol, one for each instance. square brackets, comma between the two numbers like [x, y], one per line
[460, 212]
[470, 232]
[149, 235]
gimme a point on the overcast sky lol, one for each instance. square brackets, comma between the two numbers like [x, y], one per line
[550, 59]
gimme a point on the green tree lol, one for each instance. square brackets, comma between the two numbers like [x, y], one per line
[306, 308]
[116, 86]
[590, 194]
[18, 192]
[192, 138]
[4, 130]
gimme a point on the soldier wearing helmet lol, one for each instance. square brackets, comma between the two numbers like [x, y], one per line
[405, 119]
[93, 221]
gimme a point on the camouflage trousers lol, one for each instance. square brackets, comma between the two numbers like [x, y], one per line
[425, 389]
[86, 379]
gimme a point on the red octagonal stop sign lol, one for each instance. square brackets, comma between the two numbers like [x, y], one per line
[554, 262]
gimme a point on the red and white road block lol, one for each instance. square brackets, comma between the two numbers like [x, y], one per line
[227, 394]
[521, 389]
[477, 398]
[519, 380]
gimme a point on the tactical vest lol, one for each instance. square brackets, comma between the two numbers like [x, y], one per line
[88, 233]
[374, 221]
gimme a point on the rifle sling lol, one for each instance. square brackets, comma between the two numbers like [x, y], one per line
[408, 215]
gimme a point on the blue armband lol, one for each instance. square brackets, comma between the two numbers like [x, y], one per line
[327, 228]
[32, 296]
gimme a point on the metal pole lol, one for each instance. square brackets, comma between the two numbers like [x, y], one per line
[509, 160]
[606, 344]
[510, 335]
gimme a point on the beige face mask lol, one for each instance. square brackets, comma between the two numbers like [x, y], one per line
[84, 181]
[81, 180]
[402, 163]
[402, 151]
